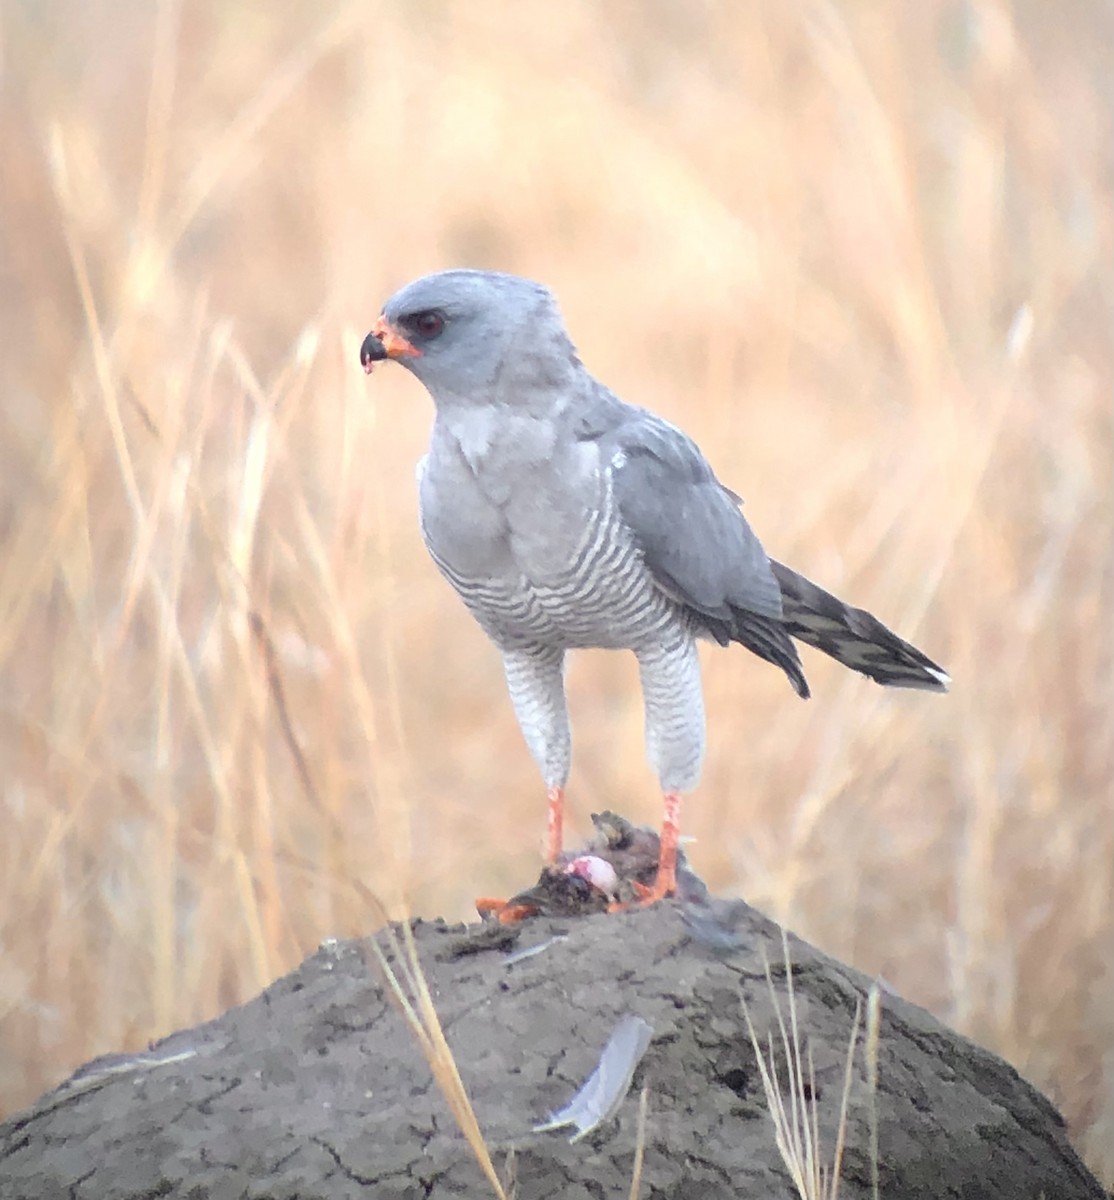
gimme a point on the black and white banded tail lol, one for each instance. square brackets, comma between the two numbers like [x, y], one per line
[852, 636]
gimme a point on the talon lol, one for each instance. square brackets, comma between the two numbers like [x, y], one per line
[513, 913]
[504, 911]
[664, 886]
[488, 907]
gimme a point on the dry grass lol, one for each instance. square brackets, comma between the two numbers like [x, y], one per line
[407, 985]
[815, 1175]
[861, 252]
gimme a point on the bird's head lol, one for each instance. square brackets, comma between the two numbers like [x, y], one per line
[465, 333]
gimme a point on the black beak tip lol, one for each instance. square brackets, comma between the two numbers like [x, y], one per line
[371, 351]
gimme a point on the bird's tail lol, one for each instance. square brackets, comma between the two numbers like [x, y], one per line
[853, 637]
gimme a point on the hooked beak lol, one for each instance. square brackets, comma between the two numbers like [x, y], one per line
[384, 341]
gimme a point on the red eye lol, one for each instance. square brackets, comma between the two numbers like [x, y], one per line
[429, 324]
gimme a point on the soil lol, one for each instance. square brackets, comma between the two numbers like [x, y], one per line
[317, 1088]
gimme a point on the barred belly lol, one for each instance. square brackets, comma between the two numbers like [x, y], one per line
[602, 596]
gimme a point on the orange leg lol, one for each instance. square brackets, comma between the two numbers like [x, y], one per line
[666, 882]
[555, 826]
[508, 914]
[503, 911]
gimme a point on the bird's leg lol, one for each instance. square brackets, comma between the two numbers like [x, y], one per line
[674, 704]
[666, 882]
[555, 824]
[536, 682]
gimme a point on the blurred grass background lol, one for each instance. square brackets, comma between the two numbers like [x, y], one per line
[861, 252]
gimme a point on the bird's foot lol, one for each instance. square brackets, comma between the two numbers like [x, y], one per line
[570, 889]
[664, 886]
[506, 912]
[665, 882]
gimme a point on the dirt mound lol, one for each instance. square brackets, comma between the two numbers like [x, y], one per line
[317, 1088]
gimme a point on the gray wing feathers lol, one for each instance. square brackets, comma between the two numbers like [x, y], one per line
[701, 552]
[853, 637]
[696, 543]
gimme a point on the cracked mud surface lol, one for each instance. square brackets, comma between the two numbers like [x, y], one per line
[317, 1089]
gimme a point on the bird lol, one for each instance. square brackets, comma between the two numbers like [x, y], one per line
[567, 519]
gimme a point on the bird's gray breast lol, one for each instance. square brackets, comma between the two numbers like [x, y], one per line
[530, 536]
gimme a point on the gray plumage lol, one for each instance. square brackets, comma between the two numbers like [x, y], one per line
[566, 518]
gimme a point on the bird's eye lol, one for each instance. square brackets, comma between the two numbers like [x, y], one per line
[428, 324]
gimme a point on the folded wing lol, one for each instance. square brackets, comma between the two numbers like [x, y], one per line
[696, 543]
